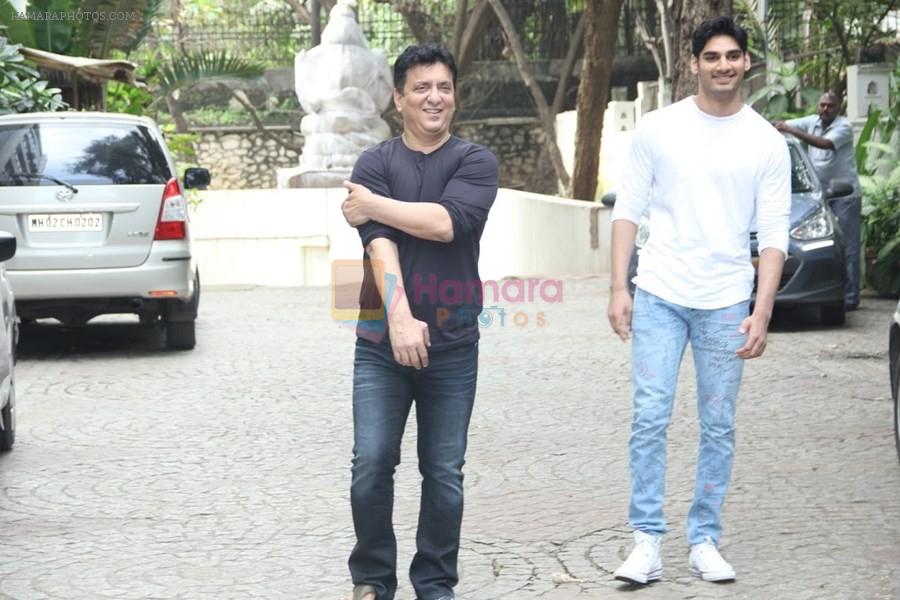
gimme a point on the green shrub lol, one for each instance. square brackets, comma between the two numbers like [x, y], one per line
[21, 88]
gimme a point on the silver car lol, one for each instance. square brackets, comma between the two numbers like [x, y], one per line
[8, 334]
[894, 369]
[101, 220]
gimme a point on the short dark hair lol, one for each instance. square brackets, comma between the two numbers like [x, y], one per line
[717, 26]
[422, 54]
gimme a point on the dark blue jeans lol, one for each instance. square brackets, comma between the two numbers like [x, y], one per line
[383, 392]
[849, 214]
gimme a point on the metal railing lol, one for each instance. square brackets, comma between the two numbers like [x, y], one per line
[271, 33]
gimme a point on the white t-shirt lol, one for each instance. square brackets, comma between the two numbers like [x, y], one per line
[702, 179]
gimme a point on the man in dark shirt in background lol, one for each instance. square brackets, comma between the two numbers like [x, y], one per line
[420, 203]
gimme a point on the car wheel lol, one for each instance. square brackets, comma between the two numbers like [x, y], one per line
[180, 335]
[8, 414]
[833, 314]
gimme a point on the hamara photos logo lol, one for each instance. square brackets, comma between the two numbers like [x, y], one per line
[487, 303]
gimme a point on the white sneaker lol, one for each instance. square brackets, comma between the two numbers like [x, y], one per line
[644, 564]
[706, 562]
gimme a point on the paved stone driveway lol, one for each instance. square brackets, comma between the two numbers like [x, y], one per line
[223, 472]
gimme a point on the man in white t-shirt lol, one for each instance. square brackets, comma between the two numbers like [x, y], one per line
[829, 137]
[701, 168]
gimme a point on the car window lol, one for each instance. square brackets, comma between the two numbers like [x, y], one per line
[81, 154]
[801, 181]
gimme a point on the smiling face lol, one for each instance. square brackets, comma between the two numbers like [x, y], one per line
[720, 68]
[427, 102]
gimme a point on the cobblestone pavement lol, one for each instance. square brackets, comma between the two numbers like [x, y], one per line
[223, 472]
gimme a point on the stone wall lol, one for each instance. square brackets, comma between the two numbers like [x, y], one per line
[244, 158]
[516, 141]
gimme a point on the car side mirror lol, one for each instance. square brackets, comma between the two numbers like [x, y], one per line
[7, 245]
[838, 188]
[608, 199]
[196, 178]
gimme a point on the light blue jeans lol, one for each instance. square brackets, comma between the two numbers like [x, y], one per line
[660, 333]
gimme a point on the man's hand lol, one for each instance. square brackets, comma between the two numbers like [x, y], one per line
[356, 206]
[756, 327]
[783, 127]
[619, 312]
[409, 340]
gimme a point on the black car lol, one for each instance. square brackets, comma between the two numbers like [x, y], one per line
[894, 354]
[814, 269]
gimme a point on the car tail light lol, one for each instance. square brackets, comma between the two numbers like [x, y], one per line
[172, 222]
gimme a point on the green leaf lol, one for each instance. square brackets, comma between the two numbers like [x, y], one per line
[790, 82]
[888, 248]
[862, 148]
[778, 105]
[810, 96]
[17, 30]
[759, 94]
[191, 68]
[882, 148]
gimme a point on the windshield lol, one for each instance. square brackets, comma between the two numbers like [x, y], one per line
[801, 180]
[81, 154]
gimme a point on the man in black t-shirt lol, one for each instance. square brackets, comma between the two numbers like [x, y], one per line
[420, 203]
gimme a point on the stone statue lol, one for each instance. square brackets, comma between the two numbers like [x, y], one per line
[344, 86]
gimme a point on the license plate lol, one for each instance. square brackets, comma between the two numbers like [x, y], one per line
[65, 222]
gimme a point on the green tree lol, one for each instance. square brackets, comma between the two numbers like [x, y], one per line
[878, 163]
[188, 69]
[854, 27]
[86, 29]
[21, 88]
[785, 95]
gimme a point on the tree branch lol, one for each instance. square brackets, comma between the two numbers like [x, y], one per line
[423, 26]
[838, 31]
[300, 10]
[565, 73]
[472, 35]
[666, 28]
[543, 110]
[874, 26]
[650, 42]
[459, 25]
[242, 99]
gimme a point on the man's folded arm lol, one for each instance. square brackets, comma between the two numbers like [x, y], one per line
[463, 206]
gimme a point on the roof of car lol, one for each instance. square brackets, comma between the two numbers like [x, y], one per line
[78, 116]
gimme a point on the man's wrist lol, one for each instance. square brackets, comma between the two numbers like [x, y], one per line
[399, 314]
[761, 310]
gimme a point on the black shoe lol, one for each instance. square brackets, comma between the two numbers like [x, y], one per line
[851, 307]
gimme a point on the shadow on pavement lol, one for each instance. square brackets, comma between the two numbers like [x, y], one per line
[98, 338]
[799, 318]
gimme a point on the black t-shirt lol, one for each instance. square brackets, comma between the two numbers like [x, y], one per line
[440, 279]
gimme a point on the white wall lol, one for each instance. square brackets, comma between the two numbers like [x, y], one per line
[530, 235]
[292, 237]
[614, 148]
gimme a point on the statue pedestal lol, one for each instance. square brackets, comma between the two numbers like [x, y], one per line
[301, 177]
